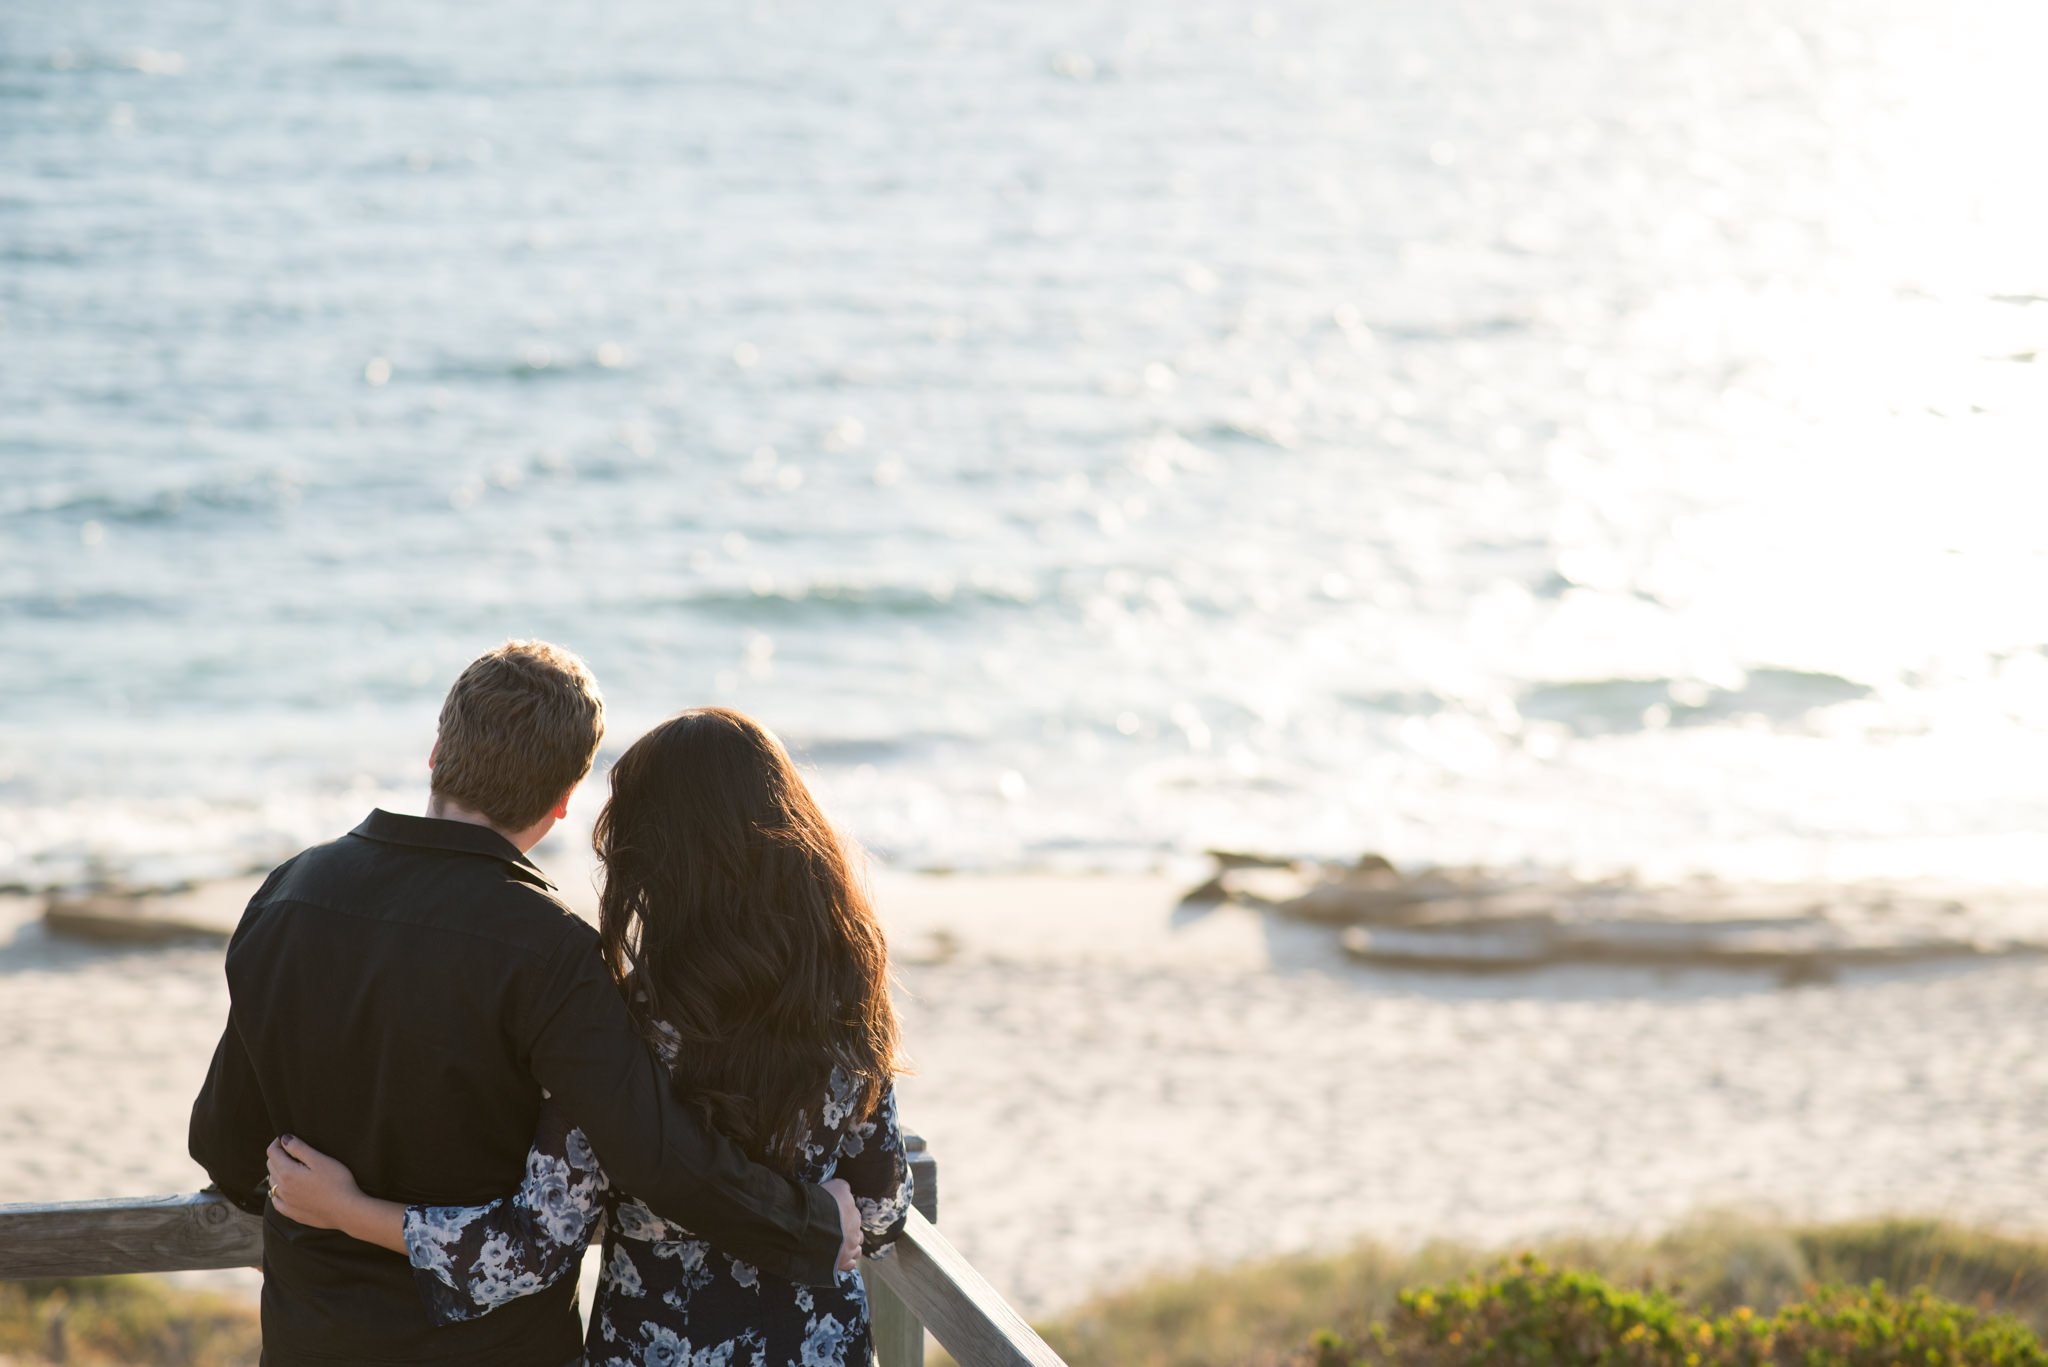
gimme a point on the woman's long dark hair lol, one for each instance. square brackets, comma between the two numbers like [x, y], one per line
[733, 913]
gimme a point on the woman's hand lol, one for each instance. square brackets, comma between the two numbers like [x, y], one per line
[313, 1189]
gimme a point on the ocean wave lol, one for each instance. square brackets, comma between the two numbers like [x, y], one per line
[1606, 706]
[780, 600]
[256, 492]
[91, 606]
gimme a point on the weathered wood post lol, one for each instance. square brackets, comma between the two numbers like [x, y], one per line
[899, 1334]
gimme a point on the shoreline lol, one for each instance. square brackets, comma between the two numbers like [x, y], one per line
[1118, 1086]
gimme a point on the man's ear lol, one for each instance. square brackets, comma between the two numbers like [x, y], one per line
[561, 812]
[434, 753]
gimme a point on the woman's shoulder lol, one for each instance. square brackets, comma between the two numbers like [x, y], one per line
[839, 1131]
[842, 1096]
[666, 1039]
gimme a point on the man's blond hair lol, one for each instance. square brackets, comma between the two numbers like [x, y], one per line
[519, 729]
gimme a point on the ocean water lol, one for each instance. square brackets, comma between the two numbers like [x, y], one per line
[1588, 434]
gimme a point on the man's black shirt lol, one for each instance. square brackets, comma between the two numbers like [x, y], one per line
[399, 999]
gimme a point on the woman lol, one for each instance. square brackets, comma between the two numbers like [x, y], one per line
[752, 959]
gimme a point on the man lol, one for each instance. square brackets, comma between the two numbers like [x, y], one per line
[401, 998]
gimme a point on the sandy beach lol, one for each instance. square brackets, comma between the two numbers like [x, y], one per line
[1116, 1086]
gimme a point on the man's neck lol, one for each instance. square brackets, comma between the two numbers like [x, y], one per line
[447, 809]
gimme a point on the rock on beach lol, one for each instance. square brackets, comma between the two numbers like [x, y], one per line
[1480, 920]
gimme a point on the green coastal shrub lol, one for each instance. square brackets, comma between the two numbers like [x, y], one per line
[1532, 1315]
[1262, 1313]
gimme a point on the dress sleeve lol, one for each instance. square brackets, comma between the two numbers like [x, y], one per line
[872, 1161]
[469, 1260]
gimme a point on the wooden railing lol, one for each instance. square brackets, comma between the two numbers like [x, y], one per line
[923, 1284]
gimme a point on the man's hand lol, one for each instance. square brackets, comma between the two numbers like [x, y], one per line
[849, 1224]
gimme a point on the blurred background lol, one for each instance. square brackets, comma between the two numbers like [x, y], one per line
[1601, 435]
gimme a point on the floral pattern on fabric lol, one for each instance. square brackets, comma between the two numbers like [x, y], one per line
[468, 1260]
[666, 1298]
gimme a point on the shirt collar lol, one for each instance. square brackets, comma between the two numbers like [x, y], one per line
[457, 837]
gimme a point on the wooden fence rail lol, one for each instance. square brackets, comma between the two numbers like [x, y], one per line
[133, 1234]
[924, 1284]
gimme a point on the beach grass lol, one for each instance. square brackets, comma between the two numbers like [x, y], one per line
[138, 1321]
[1266, 1313]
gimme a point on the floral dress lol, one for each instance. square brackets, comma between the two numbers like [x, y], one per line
[666, 1298]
